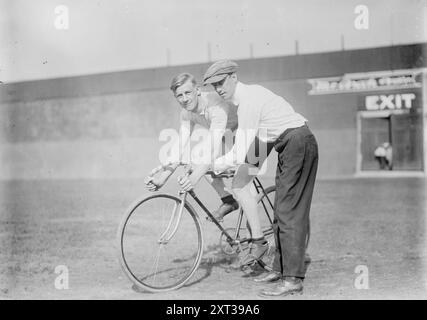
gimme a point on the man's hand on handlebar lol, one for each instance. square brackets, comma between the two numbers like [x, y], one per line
[190, 179]
[155, 183]
[186, 183]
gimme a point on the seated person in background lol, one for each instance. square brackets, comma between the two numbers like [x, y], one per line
[383, 154]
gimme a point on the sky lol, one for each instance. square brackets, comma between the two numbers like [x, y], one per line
[37, 42]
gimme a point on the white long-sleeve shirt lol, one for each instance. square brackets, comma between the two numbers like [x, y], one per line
[260, 113]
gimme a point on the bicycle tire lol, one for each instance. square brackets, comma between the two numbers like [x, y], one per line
[141, 227]
[267, 260]
[267, 227]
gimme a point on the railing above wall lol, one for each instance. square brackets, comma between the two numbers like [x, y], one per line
[300, 66]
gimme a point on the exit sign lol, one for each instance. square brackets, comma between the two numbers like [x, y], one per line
[403, 101]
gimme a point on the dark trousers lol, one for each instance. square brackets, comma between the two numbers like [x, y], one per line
[295, 176]
[383, 162]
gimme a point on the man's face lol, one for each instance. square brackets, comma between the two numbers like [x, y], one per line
[186, 95]
[226, 87]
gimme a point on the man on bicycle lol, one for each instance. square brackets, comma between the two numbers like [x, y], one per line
[215, 115]
[262, 111]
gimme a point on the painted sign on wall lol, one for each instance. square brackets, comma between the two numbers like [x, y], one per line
[368, 81]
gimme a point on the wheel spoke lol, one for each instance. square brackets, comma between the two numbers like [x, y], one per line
[156, 263]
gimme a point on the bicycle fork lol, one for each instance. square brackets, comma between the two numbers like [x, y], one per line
[174, 221]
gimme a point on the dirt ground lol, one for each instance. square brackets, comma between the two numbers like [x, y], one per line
[371, 223]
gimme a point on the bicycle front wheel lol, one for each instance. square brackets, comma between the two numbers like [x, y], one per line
[150, 262]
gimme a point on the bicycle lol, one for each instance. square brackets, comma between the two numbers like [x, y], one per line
[164, 222]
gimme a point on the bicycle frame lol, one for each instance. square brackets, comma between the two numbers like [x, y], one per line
[258, 186]
[175, 219]
[230, 239]
[176, 215]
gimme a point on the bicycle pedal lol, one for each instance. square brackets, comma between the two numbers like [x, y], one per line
[249, 266]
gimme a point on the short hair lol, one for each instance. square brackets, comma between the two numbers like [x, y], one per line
[180, 79]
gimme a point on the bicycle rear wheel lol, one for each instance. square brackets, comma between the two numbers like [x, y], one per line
[155, 265]
[266, 216]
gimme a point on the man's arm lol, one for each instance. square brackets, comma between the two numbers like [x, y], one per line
[212, 144]
[249, 115]
[178, 152]
[181, 147]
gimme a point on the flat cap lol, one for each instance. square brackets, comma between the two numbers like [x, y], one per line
[219, 70]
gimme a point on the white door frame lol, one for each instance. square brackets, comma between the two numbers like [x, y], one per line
[367, 114]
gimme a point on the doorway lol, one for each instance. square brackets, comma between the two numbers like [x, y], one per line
[403, 131]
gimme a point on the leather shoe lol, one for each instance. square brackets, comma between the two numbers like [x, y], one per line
[223, 210]
[282, 289]
[271, 276]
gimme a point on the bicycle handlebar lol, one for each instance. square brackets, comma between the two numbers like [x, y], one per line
[162, 167]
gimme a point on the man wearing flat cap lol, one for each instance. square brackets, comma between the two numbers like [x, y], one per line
[269, 118]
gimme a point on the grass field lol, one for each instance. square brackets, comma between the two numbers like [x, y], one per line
[378, 224]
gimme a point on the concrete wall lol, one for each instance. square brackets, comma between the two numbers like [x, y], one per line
[103, 136]
[107, 125]
[117, 135]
